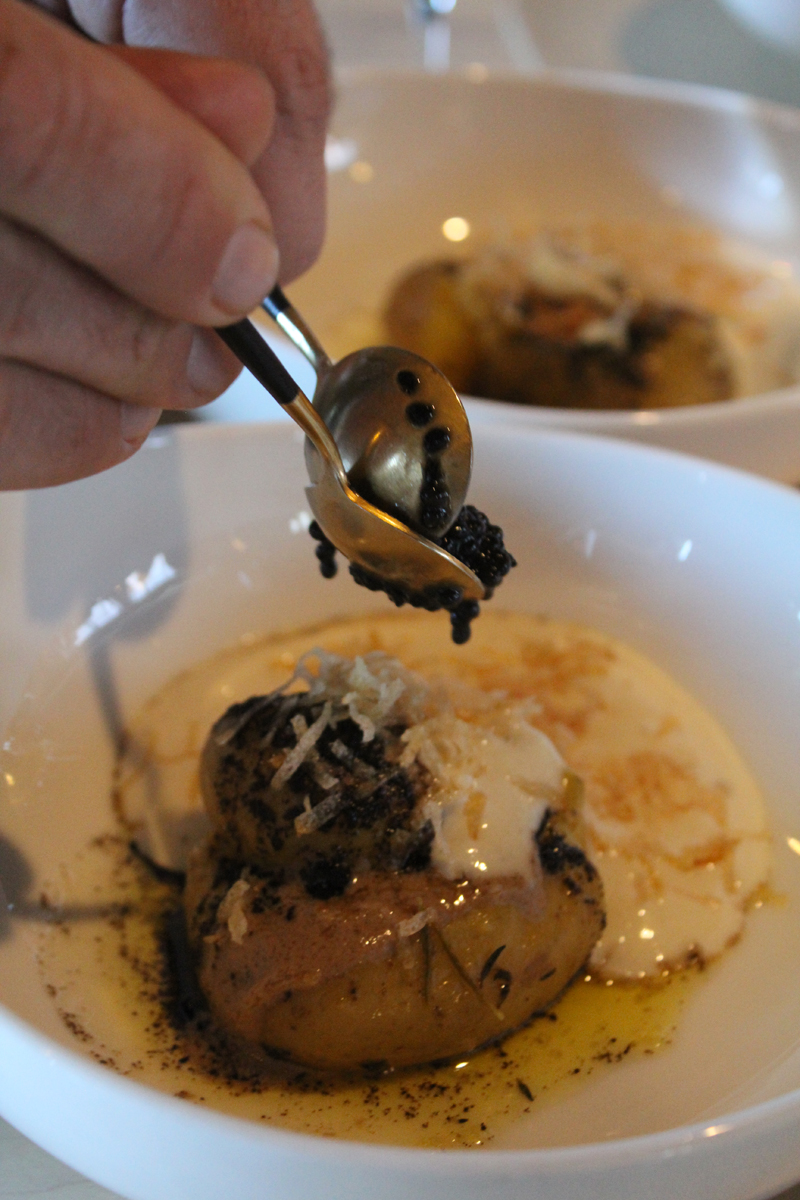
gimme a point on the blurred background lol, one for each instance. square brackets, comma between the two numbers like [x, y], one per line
[747, 45]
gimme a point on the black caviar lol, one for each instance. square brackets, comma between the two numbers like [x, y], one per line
[471, 539]
[436, 440]
[434, 497]
[420, 414]
[325, 551]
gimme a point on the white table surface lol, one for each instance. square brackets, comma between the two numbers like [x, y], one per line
[694, 40]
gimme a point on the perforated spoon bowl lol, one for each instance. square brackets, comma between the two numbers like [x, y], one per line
[399, 426]
[366, 534]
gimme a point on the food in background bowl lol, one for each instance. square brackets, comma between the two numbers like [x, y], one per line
[603, 317]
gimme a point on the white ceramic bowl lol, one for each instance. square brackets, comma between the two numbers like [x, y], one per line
[411, 151]
[776, 21]
[694, 564]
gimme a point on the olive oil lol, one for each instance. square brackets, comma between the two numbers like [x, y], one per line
[105, 961]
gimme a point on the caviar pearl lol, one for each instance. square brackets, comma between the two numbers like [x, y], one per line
[418, 414]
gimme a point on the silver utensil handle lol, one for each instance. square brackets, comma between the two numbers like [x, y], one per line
[286, 316]
[261, 360]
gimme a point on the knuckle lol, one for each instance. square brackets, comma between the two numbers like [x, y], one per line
[63, 318]
[304, 93]
[189, 234]
[20, 312]
[146, 336]
[153, 351]
[40, 117]
[81, 139]
[305, 112]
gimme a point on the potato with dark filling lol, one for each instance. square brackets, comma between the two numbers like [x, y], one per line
[325, 929]
[552, 327]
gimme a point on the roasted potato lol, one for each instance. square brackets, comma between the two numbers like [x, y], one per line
[400, 969]
[425, 314]
[519, 343]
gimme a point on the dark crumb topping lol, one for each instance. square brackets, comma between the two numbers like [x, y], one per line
[558, 856]
[471, 539]
[364, 799]
[325, 877]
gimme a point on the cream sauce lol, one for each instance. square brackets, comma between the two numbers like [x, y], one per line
[490, 791]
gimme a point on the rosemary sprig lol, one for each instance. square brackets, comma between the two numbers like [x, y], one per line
[464, 976]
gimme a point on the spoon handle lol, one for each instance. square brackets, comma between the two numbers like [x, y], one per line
[286, 316]
[261, 360]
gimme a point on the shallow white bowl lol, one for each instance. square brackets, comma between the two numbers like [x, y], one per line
[777, 21]
[411, 151]
[696, 565]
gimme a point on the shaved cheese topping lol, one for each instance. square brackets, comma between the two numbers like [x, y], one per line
[375, 690]
[493, 775]
[296, 757]
[312, 818]
[231, 913]
[412, 925]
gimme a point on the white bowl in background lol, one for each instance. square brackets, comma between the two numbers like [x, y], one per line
[410, 151]
[776, 21]
[110, 586]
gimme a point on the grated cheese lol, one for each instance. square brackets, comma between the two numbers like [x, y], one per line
[493, 775]
[231, 913]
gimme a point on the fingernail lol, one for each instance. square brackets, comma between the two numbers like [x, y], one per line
[248, 270]
[135, 422]
[206, 369]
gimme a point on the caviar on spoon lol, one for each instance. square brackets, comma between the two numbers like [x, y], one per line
[389, 455]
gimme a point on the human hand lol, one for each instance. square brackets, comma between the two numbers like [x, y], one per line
[104, 287]
[283, 40]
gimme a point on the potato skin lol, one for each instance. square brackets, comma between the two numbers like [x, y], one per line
[425, 315]
[371, 998]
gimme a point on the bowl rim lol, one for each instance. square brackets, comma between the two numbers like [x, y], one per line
[585, 79]
[695, 416]
[680, 93]
[780, 1111]
[604, 1155]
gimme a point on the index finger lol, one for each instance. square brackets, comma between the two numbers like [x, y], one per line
[283, 39]
[100, 162]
